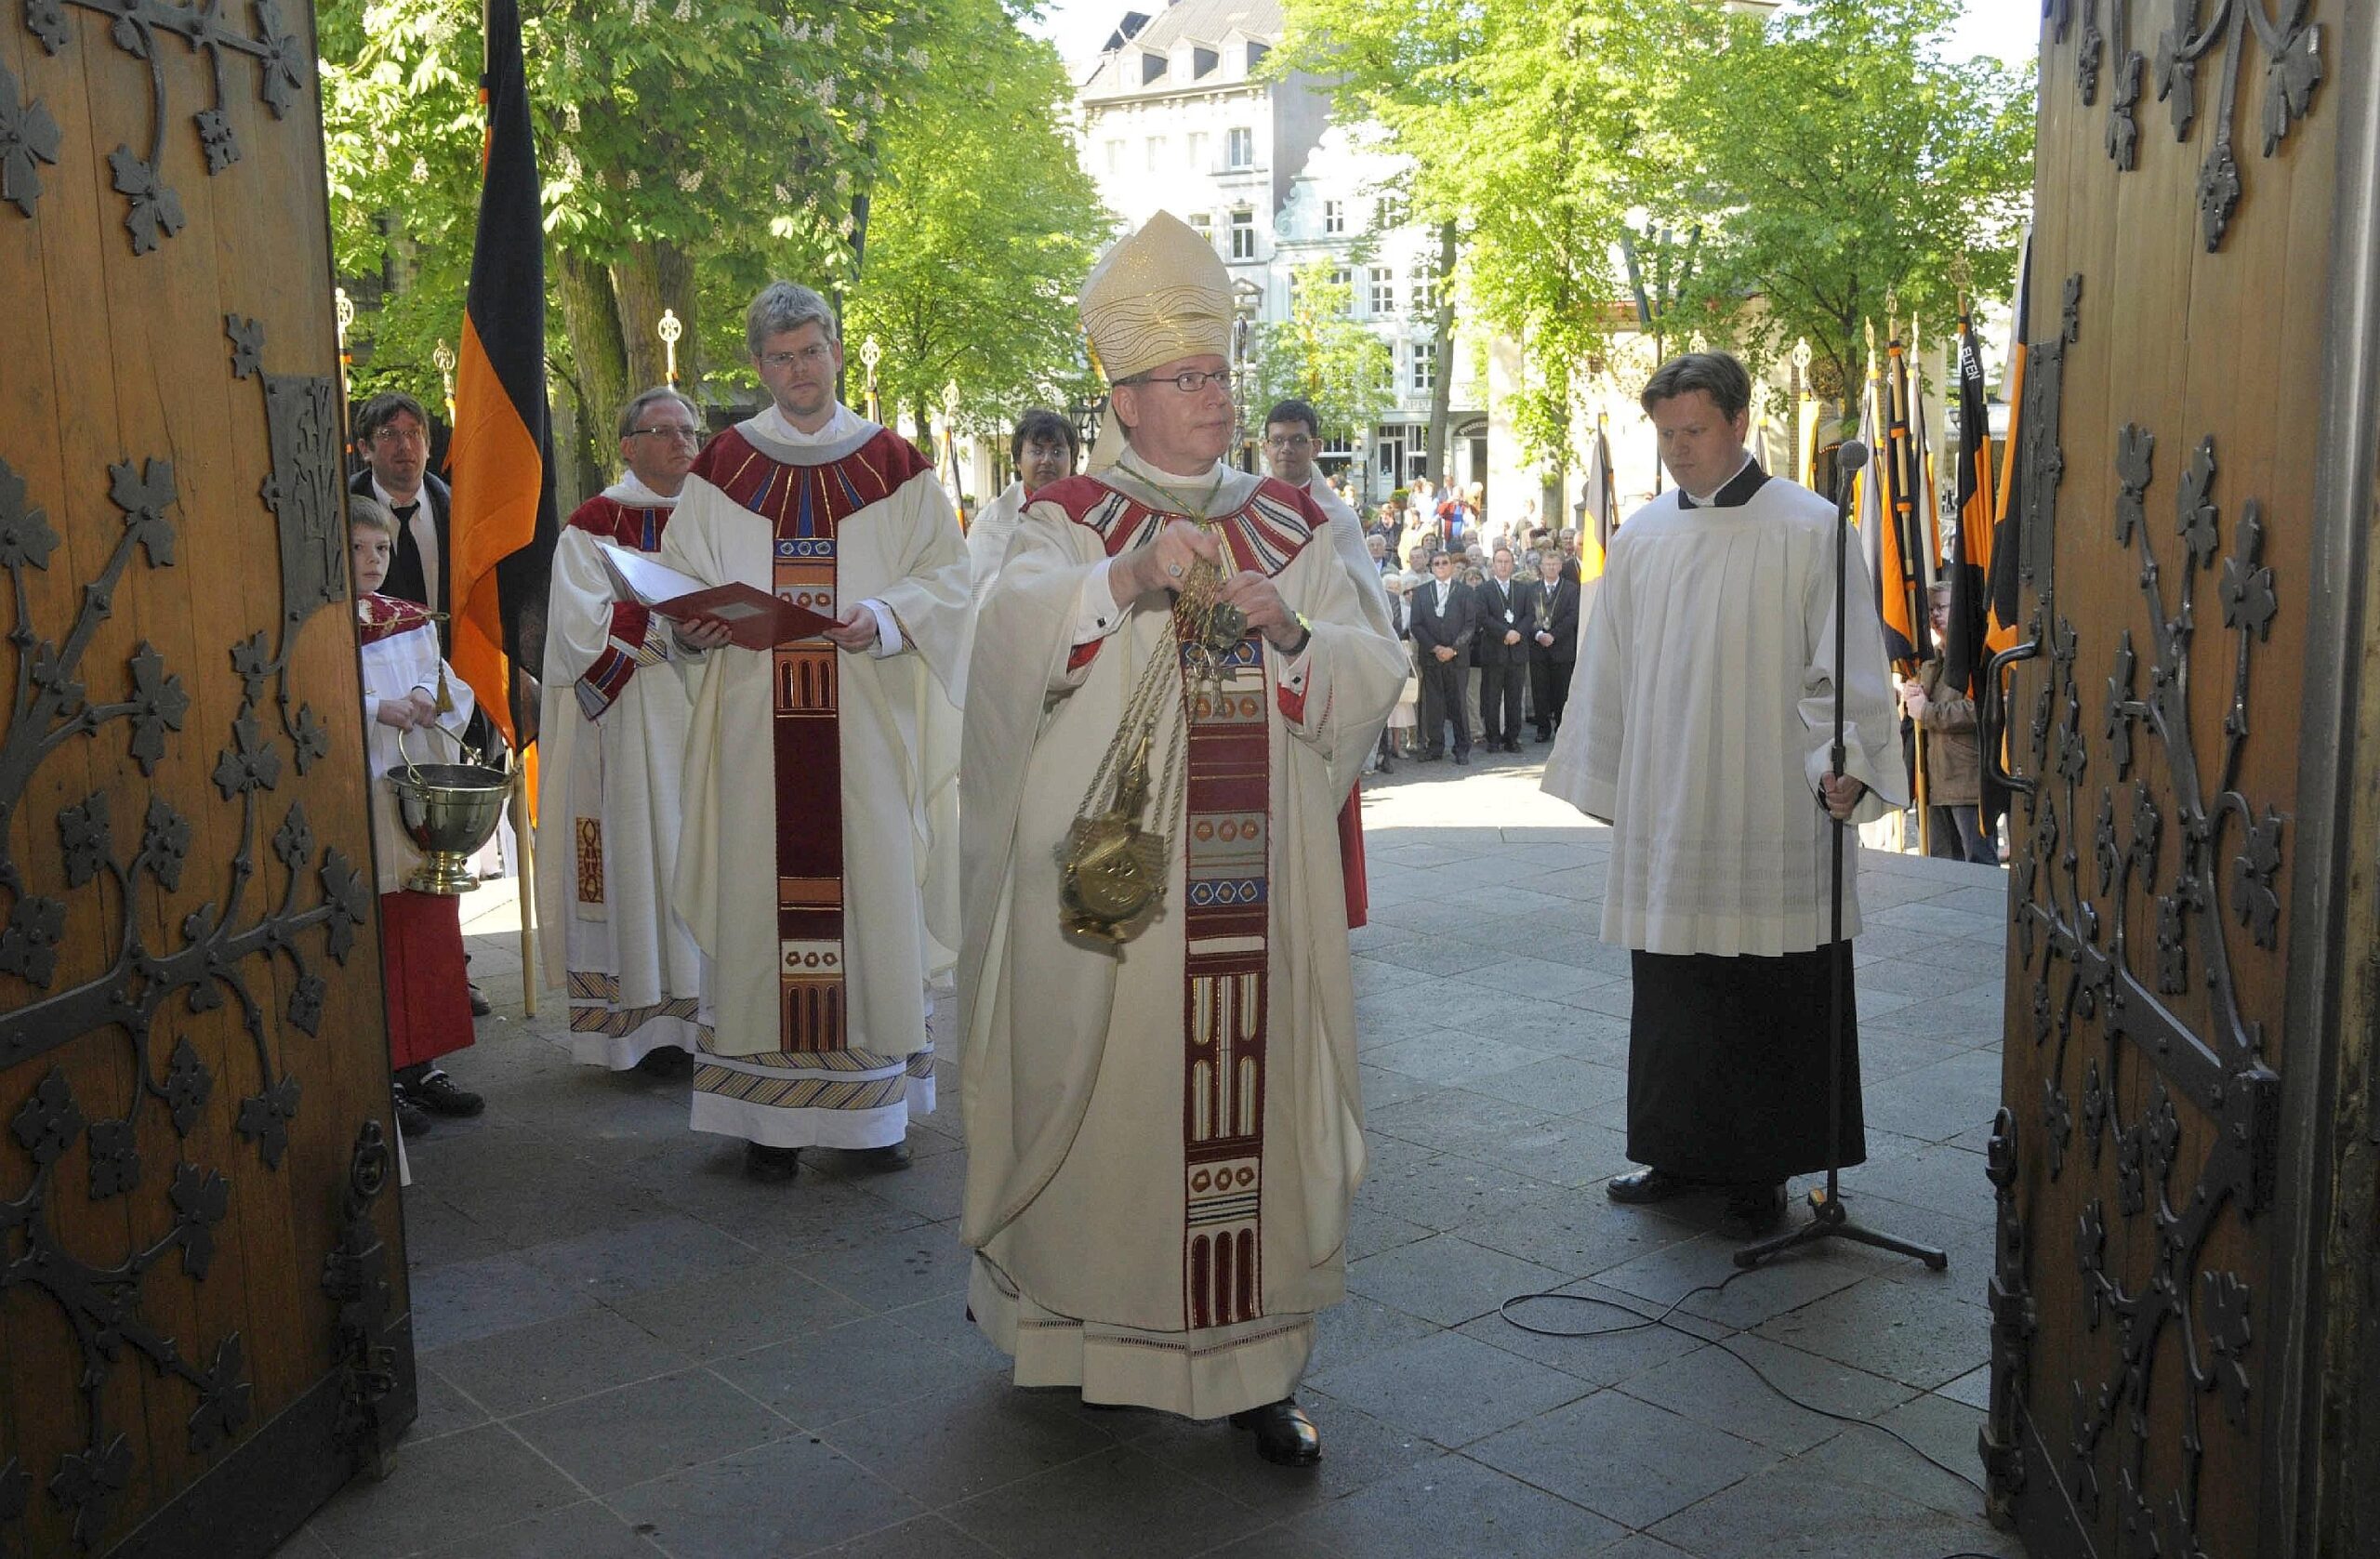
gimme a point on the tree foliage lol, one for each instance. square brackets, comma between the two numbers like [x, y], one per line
[1321, 355]
[983, 225]
[692, 150]
[1843, 161]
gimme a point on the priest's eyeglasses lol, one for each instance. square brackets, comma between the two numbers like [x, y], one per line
[1190, 381]
[809, 356]
[683, 435]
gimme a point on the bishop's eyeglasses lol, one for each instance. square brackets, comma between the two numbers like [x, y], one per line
[1189, 382]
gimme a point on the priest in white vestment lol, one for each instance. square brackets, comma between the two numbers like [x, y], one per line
[1699, 726]
[612, 726]
[1044, 448]
[815, 868]
[1164, 1133]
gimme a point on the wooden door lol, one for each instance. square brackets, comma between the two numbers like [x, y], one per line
[2162, 1156]
[202, 1289]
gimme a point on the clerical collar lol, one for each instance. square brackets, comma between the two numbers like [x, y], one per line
[1736, 489]
[839, 428]
[630, 491]
[1131, 461]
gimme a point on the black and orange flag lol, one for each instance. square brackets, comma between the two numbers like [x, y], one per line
[2001, 630]
[1963, 653]
[1900, 566]
[502, 453]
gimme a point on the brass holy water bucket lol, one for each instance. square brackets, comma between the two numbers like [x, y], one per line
[449, 810]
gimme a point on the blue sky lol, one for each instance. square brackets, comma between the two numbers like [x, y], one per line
[2006, 28]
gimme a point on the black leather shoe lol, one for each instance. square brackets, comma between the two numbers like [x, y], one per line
[1759, 1203]
[1388, 765]
[1285, 1436]
[1429, 757]
[1512, 745]
[437, 1093]
[763, 1162]
[1649, 1185]
[669, 1062]
[881, 1160]
[1462, 761]
[412, 1119]
[480, 1008]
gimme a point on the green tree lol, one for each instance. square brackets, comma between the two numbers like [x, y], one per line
[983, 225]
[1833, 157]
[1321, 355]
[691, 150]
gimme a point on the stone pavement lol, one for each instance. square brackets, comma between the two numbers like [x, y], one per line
[627, 1349]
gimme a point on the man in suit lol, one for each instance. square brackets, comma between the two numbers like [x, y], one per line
[394, 433]
[1445, 616]
[1550, 621]
[1503, 654]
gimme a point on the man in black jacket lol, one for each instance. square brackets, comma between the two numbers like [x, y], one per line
[1550, 621]
[394, 433]
[1502, 654]
[1444, 616]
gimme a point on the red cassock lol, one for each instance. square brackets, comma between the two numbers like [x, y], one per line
[428, 990]
[1350, 857]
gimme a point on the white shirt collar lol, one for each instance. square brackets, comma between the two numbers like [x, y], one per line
[774, 423]
[421, 496]
[1131, 460]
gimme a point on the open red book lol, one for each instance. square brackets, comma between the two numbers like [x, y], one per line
[754, 618]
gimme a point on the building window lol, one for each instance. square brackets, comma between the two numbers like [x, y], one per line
[1383, 281]
[1342, 446]
[1389, 214]
[1203, 63]
[1240, 147]
[1335, 216]
[1243, 233]
[1157, 153]
[1203, 224]
[1426, 287]
[1115, 156]
[1425, 366]
[1196, 141]
[1342, 277]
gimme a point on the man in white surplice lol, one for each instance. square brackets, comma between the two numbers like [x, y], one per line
[614, 729]
[1163, 1136]
[1698, 725]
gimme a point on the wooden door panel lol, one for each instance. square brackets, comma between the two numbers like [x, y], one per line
[2179, 293]
[200, 1290]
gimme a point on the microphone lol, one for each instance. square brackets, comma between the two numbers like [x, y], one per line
[1850, 458]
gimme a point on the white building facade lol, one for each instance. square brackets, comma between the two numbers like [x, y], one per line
[1174, 116]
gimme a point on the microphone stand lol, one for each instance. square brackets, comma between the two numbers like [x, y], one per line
[1828, 1220]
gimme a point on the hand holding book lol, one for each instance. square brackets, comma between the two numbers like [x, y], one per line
[748, 616]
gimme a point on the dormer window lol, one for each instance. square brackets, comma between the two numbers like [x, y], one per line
[1256, 53]
[1203, 63]
[1152, 67]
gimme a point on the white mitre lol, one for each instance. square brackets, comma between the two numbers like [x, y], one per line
[1158, 297]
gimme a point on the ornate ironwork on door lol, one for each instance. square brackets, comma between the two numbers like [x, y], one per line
[2197, 33]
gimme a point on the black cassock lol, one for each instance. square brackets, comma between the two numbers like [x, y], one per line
[1727, 1065]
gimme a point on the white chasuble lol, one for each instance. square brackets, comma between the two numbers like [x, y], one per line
[820, 784]
[612, 731]
[1701, 715]
[1163, 1137]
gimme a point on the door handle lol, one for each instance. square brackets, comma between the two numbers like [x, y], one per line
[1992, 718]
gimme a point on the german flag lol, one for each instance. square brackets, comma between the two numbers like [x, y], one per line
[1599, 506]
[1963, 655]
[501, 458]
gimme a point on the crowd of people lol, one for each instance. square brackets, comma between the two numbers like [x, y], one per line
[1093, 762]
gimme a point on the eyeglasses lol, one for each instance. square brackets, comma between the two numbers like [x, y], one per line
[391, 437]
[683, 435]
[1190, 381]
[808, 357]
[1293, 441]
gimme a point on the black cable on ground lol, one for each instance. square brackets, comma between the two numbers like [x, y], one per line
[1662, 1320]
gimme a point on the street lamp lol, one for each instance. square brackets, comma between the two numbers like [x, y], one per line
[950, 433]
[442, 356]
[1801, 381]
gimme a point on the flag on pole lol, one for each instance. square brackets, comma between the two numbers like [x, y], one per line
[1868, 484]
[501, 455]
[1963, 655]
[2001, 632]
[1900, 575]
[1598, 505]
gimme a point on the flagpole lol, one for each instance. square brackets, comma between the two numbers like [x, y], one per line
[1900, 468]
